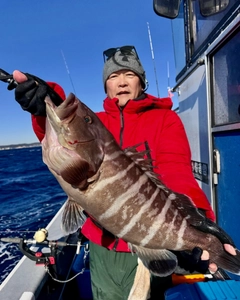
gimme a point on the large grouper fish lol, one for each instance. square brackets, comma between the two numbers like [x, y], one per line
[120, 191]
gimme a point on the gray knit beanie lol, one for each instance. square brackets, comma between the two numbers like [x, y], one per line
[121, 61]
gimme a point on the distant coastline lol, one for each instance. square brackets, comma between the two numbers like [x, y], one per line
[19, 146]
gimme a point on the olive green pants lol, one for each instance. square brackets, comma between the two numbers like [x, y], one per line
[112, 275]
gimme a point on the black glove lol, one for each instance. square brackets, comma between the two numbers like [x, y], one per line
[191, 261]
[31, 94]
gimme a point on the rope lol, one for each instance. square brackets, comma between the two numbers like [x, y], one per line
[79, 273]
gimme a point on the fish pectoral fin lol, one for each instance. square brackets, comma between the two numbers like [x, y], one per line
[74, 171]
[159, 262]
[73, 216]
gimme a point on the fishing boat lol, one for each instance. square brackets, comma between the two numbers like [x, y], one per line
[206, 35]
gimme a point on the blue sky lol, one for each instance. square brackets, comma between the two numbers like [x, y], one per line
[34, 34]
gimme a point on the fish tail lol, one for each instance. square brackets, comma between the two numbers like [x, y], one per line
[226, 261]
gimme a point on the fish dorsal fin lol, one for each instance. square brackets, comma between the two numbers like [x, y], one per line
[182, 202]
[141, 158]
[73, 216]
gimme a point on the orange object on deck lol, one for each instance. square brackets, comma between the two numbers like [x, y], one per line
[189, 278]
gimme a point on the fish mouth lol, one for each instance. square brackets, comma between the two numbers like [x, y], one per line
[61, 117]
[66, 110]
[76, 142]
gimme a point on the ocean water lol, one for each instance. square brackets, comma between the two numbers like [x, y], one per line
[29, 198]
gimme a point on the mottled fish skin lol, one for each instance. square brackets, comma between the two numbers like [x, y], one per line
[120, 193]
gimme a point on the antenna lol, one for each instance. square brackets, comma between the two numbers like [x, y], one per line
[170, 94]
[168, 75]
[151, 47]
[68, 72]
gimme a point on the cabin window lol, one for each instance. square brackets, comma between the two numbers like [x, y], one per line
[195, 27]
[201, 23]
[179, 41]
[226, 83]
[212, 7]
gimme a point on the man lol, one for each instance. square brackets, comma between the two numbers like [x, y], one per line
[134, 118]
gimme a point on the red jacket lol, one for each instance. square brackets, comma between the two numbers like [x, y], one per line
[149, 121]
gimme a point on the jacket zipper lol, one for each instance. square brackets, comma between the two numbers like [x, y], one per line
[121, 127]
[120, 144]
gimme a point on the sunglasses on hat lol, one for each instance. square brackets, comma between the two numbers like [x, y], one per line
[125, 50]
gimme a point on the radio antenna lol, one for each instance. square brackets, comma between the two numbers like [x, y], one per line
[154, 66]
[170, 94]
[68, 72]
[168, 74]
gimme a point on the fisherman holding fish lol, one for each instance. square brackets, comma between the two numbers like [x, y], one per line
[144, 124]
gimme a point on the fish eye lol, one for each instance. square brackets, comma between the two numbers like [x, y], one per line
[88, 119]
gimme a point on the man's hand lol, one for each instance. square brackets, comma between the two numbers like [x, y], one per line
[19, 77]
[31, 92]
[198, 259]
[213, 267]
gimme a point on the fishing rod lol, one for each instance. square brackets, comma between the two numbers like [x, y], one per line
[33, 241]
[154, 66]
[40, 240]
[8, 78]
[12, 84]
[69, 75]
[48, 259]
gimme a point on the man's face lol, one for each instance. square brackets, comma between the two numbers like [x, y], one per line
[123, 85]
